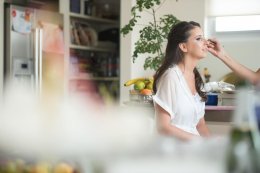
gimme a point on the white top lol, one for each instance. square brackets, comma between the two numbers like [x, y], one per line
[175, 97]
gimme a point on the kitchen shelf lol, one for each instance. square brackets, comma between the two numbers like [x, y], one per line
[91, 48]
[94, 50]
[95, 78]
[105, 78]
[93, 18]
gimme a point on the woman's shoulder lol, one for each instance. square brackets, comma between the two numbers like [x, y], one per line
[170, 77]
[171, 72]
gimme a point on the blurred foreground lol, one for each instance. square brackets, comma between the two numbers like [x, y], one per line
[46, 134]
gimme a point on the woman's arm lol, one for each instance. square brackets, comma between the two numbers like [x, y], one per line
[164, 126]
[215, 48]
[202, 128]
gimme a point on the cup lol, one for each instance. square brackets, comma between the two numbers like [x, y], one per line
[212, 99]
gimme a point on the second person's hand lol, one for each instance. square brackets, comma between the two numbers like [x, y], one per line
[215, 48]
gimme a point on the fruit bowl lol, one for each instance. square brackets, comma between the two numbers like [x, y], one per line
[146, 98]
[141, 96]
[142, 89]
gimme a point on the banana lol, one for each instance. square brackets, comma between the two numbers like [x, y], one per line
[132, 81]
[151, 79]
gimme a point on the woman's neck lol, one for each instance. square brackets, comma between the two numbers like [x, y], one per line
[187, 67]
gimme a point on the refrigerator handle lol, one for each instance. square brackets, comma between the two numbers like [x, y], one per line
[40, 59]
[36, 59]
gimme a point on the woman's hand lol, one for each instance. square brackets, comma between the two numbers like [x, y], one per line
[215, 48]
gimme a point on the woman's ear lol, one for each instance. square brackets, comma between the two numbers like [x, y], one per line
[183, 47]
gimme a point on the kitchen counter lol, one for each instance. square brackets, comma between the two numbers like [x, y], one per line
[219, 119]
[138, 104]
[212, 113]
[219, 108]
[219, 113]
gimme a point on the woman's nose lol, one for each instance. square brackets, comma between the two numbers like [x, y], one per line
[205, 41]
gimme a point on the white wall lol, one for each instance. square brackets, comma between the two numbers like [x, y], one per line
[242, 46]
[125, 50]
[232, 7]
[64, 9]
[1, 46]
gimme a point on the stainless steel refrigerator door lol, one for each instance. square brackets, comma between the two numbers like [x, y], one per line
[51, 53]
[18, 50]
[25, 56]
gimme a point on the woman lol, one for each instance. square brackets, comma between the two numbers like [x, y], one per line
[217, 50]
[179, 101]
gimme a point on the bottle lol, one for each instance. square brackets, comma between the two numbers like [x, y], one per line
[257, 118]
[257, 105]
[88, 7]
[242, 151]
[106, 13]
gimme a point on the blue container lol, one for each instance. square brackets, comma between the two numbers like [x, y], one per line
[212, 99]
[75, 6]
[257, 112]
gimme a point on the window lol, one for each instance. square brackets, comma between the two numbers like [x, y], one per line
[237, 23]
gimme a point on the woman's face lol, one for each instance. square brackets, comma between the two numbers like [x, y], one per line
[196, 45]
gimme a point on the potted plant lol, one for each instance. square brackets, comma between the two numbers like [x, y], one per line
[152, 35]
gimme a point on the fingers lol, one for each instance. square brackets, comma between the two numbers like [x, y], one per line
[214, 44]
[213, 40]
[210, 44]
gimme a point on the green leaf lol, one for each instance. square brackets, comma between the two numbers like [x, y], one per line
[152, 36]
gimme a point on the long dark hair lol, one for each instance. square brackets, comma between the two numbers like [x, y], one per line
[173, 56]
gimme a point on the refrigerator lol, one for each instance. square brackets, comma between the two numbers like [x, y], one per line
[34, 49]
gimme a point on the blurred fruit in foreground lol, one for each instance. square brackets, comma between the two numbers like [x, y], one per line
[20, 166]
[139, 85]
[63, 168]
[11, 167]
[42, 168]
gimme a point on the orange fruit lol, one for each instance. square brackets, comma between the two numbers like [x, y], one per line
[146, 92]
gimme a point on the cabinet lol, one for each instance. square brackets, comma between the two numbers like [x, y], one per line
[219, 119]
[94, 48]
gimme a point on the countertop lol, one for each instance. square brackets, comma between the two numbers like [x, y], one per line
[207, 108]
[220, 108]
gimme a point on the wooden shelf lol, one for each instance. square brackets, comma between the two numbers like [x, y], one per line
[93, 18]
[95, 78]
[105, 78]
[91, 48]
